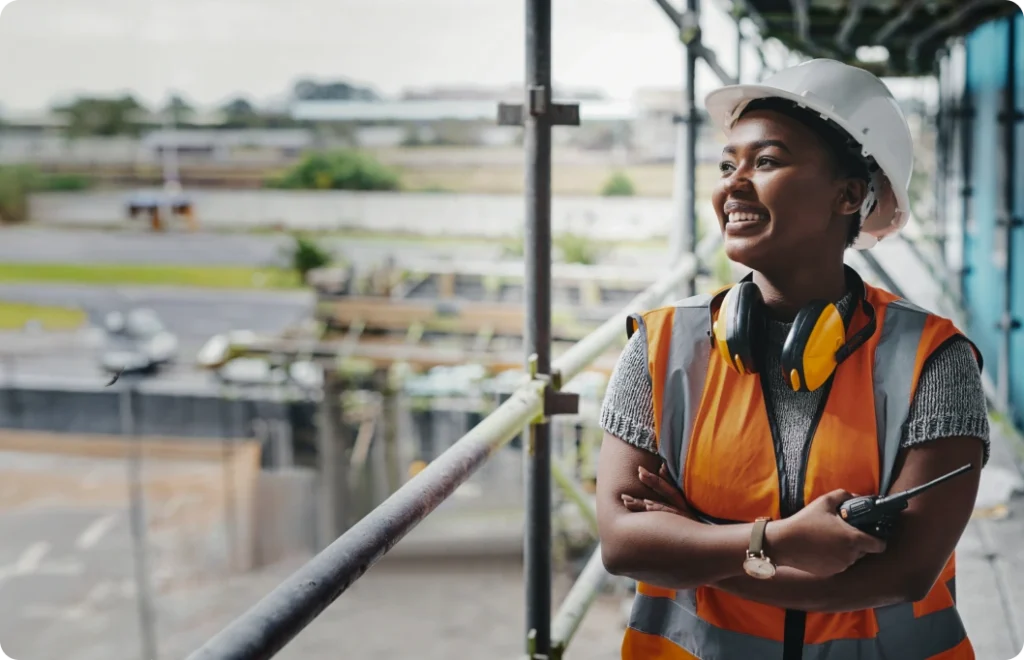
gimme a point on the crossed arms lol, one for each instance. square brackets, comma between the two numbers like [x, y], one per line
[664, 545]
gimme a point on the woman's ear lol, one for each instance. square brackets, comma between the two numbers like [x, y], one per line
[851, 196]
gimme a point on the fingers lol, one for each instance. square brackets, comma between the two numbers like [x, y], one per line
[871, 545]
[661, 486]
[833, 500]
[658, 506]
[636, 505]
[633, 504]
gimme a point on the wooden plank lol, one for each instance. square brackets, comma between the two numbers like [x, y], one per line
[115, 446]
[383, 354]
[450, 317]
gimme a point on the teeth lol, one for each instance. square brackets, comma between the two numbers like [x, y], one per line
[741, 217]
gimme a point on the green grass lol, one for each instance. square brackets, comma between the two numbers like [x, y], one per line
[213, 277]
[14, 316]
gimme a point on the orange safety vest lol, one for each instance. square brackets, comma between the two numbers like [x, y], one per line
[715, 436]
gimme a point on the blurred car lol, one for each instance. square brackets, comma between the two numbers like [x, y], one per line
[257, 371]
[224, 355]
[136, 341]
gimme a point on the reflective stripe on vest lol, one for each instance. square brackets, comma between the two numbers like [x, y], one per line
[901, 636]
[894, 373]
[684, 379]
[907, 335]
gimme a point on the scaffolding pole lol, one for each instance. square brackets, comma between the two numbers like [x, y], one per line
[739, 44]
[537, 550]
[1006, 223]
[683, 234]
[965, 116]
[137, 521]
[942, 169]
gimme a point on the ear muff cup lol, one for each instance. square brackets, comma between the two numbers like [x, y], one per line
[809, 355]
[817, 342]
[737, 326]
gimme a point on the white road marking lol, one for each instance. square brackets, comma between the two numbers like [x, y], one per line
[95, 478]
[173, 505]
[95, 531]
[29, 560]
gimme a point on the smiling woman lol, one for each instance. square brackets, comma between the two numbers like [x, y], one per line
[724, 463]
[778, 132]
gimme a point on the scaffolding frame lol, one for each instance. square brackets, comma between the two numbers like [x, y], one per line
[275, 620]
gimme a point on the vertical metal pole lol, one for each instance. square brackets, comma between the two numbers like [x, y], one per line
[393, 478]
[739, 47]
[683, 237]
[227, 401]
[137, 521]
[328, 449]
[966, 131]
[1003, 253]
[942, 157]
[537, 335]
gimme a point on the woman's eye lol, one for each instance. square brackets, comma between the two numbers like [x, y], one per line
[724, 167]
[763, 160]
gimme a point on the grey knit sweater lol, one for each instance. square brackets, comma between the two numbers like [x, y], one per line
[949, 400]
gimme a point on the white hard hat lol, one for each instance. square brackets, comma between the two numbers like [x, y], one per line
[859, 103]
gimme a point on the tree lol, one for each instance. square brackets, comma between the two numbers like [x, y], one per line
[179, 110]
[305, 254]
[239, 113]
[618, 185]
[310, 90]
[338, 170]
[102, 116]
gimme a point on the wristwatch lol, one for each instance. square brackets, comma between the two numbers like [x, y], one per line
[757, 564]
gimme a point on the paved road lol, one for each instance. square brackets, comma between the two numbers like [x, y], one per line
[187, 312]
[35, 245]
[194, 315]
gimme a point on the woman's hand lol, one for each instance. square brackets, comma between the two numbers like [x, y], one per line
[816, 540]
[670, 498]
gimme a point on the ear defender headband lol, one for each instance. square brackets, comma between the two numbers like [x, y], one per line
[817, 342]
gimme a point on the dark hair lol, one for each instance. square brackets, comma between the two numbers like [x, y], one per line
[845, 150]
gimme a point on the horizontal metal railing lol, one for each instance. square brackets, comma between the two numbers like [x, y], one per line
[276, 619]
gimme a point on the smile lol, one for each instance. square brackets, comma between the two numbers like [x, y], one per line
[747, 217]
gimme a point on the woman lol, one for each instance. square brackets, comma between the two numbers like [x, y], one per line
[737, 424]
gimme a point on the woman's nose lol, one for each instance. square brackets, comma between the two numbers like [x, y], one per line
[738, 181]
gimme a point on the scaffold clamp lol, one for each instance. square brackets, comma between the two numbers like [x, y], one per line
[539, 105]
[556, 402]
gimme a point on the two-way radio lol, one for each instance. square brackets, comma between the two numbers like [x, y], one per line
[877, 515]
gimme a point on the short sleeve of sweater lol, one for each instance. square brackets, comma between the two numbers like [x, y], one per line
[950, 399]
[628, 410]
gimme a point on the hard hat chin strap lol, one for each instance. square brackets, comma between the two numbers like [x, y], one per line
[876, 185]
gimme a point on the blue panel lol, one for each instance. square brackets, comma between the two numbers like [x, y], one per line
[983, 286]
[1017, 246]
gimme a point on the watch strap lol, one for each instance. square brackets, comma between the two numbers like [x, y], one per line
[757, 537]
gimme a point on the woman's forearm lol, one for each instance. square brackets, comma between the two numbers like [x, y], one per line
[670, 551]
[865, 585]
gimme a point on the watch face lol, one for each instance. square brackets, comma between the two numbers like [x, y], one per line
[759, 568]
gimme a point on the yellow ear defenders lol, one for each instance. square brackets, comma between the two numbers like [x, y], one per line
[816, 344]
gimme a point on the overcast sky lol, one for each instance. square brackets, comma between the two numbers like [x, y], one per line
[213, 49]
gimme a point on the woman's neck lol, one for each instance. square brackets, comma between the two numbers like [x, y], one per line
[785, 294]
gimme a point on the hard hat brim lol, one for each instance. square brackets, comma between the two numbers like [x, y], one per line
[725, 104]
